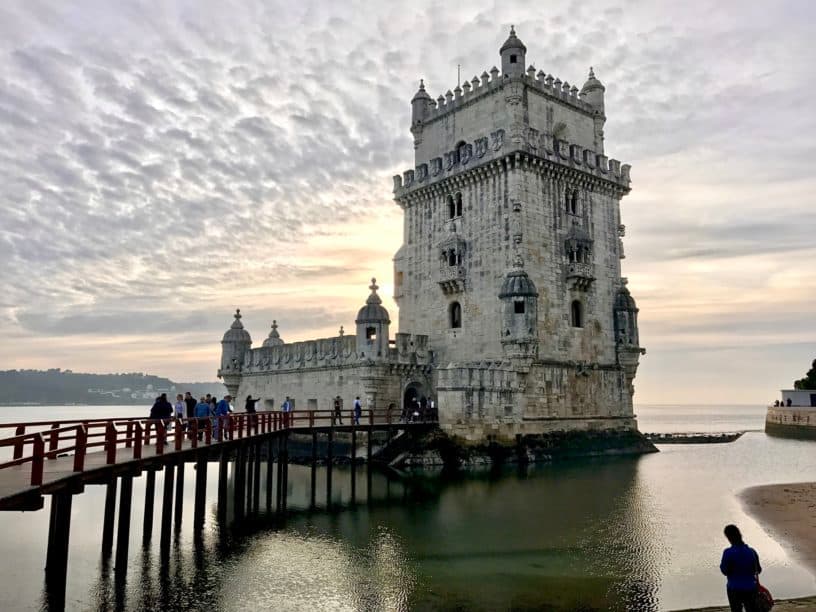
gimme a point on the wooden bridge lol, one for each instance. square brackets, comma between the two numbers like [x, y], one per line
[59, 458]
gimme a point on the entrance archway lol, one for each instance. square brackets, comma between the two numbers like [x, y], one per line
[411, 399]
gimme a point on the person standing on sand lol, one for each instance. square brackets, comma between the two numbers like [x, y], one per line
[740, 564]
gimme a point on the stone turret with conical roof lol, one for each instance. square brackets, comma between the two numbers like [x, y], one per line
[513, 55]
[593, 94]
[234, 346]
[626, 334]
[519, 297]
[274, 338]
[372, 326]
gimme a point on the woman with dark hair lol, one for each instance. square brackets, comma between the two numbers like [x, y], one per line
[740, 564]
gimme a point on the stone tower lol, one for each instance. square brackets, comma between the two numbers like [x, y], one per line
[510, 261]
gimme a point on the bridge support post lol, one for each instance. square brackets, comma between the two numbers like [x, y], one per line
[285, 470]
[200, 492]
[279, 488]
[167, 507]
[110, 515]
[223, 466]
[256, 485]
[270, 466]
[353, 465]
[179, 495]
[312, 492]
[123, 530]
[239, 481]
[150, 496]
[329, 465]
[56, 560]
[368, 463]
[249, 464]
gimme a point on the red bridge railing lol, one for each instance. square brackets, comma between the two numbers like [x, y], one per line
[39, 442]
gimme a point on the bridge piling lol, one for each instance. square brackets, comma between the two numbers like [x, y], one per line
[110, 515]
[329, 465]
[353, 465]
[179, 495]
[123, 530]
[369, 444]
[167, 507]
[256, 493]
[313, 485]
[285, 471]
[239, 482]
[150, 496]
[247, 479]
[270, 466]
[56, 565]
[279, 479]
[200, 492]
[223, 467]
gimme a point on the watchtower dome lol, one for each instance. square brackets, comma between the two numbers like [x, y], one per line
[372, 326]
[513, 55]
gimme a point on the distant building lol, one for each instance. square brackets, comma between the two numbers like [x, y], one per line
[513, 314]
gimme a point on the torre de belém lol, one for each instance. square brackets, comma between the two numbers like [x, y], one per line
[513, 314]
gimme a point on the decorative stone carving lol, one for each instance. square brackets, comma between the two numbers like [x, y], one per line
[465, 153]
[497, 140]
[436, 166]
[422, 172]
[480, 146]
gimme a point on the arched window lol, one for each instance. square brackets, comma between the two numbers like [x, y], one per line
[455, 315]
[518, 307]
[459, 204]
[574, 202]
[451, 208]
[451, 257]
[577, 313]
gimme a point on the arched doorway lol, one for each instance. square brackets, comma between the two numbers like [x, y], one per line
[411, 400]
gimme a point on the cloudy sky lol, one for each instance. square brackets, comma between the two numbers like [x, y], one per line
[163, 162]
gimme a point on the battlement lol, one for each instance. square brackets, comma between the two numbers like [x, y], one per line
[471, 91]
[542, 145]
[328, 352]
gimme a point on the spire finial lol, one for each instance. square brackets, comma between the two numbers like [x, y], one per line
[591, 73]
[373, 286]
[512, 30]
[342, 332]
[237, 313]
[422, 84]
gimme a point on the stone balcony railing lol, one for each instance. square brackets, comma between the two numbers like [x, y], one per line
[451, 279]
[580, 275]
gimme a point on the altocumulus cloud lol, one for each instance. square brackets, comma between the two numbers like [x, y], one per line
[163, 162]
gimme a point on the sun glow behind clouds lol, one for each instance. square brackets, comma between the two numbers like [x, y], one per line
[163, 165]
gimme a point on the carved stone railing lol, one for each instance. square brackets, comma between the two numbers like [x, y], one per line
[451, 279]
[580, 275]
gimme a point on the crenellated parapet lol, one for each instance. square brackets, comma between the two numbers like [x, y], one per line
[469, 92]
[495, 146]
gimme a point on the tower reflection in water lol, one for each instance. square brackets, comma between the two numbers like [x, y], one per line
[583, 535]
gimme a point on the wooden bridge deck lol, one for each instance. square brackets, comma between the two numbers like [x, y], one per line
[67, 455]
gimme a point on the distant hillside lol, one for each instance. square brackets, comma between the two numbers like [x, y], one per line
[58, 386]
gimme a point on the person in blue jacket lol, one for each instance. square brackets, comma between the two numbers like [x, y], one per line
[740, 564]
[202, 411]
[222, 410]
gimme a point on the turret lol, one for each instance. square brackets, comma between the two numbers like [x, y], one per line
[420, 107]
[627, 339]
[234, 345]
[372, 327]
[593, 92]
[513, 55]
[274, 338]
[519, 297]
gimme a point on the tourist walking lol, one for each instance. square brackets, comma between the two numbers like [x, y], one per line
[338, 409]
[190, 403]
[162, 409]
[202, 411]
[222, 410]
[740, 564]
[358, 410]
[249, 406]
[286, 408]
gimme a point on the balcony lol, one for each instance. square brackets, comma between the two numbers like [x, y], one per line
[580, 275]
[451, 279]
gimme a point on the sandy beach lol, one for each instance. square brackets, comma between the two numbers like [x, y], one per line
[788, 513]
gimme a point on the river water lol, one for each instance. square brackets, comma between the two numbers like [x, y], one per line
[620, 534]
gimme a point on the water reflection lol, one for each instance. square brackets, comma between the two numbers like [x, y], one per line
[619, 534]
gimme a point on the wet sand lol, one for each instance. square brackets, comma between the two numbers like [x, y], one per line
[788, 513]
[789, 605]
